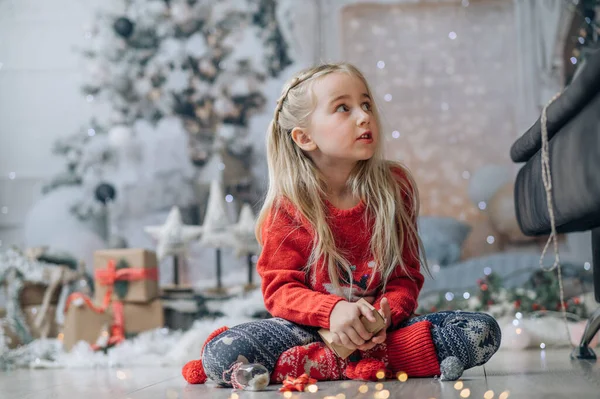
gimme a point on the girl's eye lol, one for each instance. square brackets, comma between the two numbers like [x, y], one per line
[341, 108]
[366, 106]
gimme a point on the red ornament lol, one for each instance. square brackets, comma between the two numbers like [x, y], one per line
[296, 384]
[484, 287]
[517, 304]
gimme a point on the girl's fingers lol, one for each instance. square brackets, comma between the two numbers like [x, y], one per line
[385, 310]
[336, 339]
[356, 338]
[361, 331]
[368, 313]
[346, 341]
[367, 346]
[380, 337]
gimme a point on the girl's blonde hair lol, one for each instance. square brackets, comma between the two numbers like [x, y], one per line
[294, 176]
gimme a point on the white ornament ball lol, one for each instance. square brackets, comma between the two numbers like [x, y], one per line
[50, 222]
[120, 136]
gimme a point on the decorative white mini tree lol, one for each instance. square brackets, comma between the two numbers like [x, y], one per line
[245, 239]
[216, 230]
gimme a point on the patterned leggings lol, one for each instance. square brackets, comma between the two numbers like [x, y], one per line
[471, 337]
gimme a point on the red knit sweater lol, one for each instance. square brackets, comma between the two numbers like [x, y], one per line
[308, 299]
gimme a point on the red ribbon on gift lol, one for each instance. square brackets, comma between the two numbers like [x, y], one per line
[108, 277]
[117, 330]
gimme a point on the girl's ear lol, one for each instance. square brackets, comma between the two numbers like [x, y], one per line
[303, 139]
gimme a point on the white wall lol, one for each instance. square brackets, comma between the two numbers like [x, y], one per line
[40, 96]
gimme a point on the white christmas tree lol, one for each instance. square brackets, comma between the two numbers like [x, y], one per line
[245, 240]
[216, 230]
[168, 78]
[243, 231]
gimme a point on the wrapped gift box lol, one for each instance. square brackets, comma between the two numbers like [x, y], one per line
[140, 317]
[83, 324]
[133, 276]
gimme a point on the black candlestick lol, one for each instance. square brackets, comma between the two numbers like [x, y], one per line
[250, 269]
[176, 270]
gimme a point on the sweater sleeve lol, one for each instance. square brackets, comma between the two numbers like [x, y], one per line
[286, 249]
[403, 287]
[402, 291]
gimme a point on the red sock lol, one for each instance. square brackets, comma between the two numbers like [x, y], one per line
[411, 350]
[315, 359]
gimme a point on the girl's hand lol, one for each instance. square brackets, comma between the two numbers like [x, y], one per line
[381, 336]
[345, 324]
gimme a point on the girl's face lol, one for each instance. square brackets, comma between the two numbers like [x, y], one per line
[342, 127]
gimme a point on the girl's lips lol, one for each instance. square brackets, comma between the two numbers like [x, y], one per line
[368, 141]
[368, 136]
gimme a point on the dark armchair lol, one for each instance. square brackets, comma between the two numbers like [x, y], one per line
[573, 131]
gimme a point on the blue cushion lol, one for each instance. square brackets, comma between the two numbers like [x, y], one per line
[515, 269]
[443, 238]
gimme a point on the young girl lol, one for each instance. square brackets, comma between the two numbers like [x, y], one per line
[339, 224]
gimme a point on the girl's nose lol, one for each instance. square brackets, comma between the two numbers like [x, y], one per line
[363, 118]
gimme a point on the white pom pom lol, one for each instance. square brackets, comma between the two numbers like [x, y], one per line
[451, 369]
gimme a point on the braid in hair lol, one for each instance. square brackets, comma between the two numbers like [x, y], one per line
[279, 106]
[294, 83]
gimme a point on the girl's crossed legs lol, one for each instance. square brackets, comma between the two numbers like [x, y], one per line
[470, 336]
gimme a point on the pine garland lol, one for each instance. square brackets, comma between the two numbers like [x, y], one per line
[539, 294]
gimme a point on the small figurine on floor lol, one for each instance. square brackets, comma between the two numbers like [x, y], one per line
[338, 225]
[252, 377]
